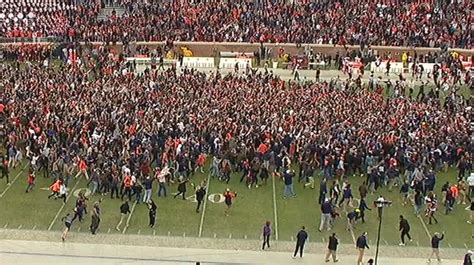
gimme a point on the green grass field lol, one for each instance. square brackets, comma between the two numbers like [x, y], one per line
[176, 217]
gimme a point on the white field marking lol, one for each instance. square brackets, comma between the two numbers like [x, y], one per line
[129, 217]
[108, 231]
[245, 237]
[79, 229]
[139, 231]
[215, 235]
[201, 223]
[275, 214]
[5, 226]
[154, 232]
[13, 180]
[292, 238]
[465, 245]
[352, 231]
[425, 227]
[169, 233]
[184, 234]
[230, 235]
[449, 244]
[385, 241]
[44, 189]
[20, 226]
[324, 240]
[64, 204]
[34, 227]
[417, 243]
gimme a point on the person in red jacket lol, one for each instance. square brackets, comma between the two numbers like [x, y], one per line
[31, 181]
[55, 188]
[228, 197]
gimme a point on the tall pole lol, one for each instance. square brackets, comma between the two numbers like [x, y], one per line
[378, 234]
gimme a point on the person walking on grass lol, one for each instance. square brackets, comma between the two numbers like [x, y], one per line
[301, 238]
[435, 240]
[55, 188]
[31, 181]
[228, 197]
[124, 211]
[267, 232]
[332, 248]
[404, 229]
[95, 217]
[200, 194]
[361, 245]
[288, 179]
[182, 187]
[151, 213]
[326, 210]
[68, 219]
[4, 166]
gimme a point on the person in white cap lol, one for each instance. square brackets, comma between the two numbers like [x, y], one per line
[468, 258]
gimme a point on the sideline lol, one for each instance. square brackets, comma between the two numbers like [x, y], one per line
[275, 214]
[204, 205]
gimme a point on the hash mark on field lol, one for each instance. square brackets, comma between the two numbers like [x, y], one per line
[324, 240]
[230, 235]
[245, 237]
[385, 241]
[129, 217]
[169, 233]
[64, 204]
[79, 229]
[465, 245]
[215, 235]
[139, 231]
[154, 232]
[417, 243]
[184, 234]
[34, 227]
[14, 180]
[5, 226]
[20, 226]
[449, 244]
[292, 238]
[108, 231]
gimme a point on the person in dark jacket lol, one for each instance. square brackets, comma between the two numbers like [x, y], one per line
[124, 211]
[151, 213]
[404, 228]
[362, 207]
[435, 245]
[95, 221]
[468, 258]
[181, 188]
[300, 241]
[332, 248]
[200, 194]
[267, 232]
[323, 190]
[361, 245]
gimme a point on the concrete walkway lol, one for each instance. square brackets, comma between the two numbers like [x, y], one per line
[39, 252]
[43, 247]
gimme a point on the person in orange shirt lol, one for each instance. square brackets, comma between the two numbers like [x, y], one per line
[200, 162]
[82, 168]
[55, 188]
[31, 181]
[127, 183]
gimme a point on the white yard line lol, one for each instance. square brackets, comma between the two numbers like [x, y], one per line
[129, 218]
[64, 204]
[13, 180]
[203, 213]
[424, 226]
[275, 213]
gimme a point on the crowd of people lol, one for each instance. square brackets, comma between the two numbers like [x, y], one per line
[393, 23]
[122, 131]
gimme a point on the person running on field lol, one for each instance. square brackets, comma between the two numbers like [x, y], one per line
[95, 218]
[124, 211]
[404, 228]
[200, 194]
[67, 223]
[228, 197]
[31, 181]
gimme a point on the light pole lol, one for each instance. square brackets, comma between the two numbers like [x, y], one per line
[381, 203]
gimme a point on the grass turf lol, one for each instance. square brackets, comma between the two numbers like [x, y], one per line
[251, 208]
